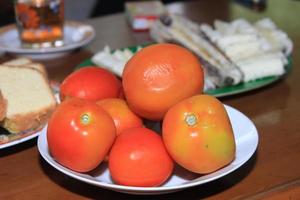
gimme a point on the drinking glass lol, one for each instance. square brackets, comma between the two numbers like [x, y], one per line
[40, 22]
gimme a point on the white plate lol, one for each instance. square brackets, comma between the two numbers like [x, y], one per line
[246, 143]
[20, 140]
[76, 35]
[28, 136]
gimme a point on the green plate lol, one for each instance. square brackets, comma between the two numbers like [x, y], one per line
[225, 91]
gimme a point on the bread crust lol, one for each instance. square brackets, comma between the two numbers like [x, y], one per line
[31, 121]
[38, 67]
[30, 64]
[16, 61]
[3, 106]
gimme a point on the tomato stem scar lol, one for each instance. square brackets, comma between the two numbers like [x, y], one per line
[85, 118]
[191, 119]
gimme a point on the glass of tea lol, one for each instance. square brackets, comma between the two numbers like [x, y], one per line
[40, 22]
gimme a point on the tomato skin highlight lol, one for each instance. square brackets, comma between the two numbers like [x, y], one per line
[139, 158]
[158, 76]
[90, 83]
[198, 135]
[80, 134]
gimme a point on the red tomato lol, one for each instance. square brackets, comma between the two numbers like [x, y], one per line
[80, 134]
[123, 117]
[158, 76]
[198, 135]
[121, 93]
[139, 158]
[91, 83]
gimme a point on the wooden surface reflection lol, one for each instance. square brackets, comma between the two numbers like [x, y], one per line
[272, 171]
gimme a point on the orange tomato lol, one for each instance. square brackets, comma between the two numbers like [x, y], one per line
[91, 83]
[139, 158]
[198, 135]
[123, 117]
[158, 76]
[80, 134]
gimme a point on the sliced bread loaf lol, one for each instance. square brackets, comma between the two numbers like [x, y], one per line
[2, 107]
[29, 98]
[18, 61]
[28, 63]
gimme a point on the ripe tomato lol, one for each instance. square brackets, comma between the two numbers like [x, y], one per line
[158, 76]
[123, 117]
[80, 134]
[91, 83]
[121, 93]
[198, 134]
[139, 158]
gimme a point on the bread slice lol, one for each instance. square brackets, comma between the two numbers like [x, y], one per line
[2, 107]
[18, 61]
[28, 63]
[29, 98]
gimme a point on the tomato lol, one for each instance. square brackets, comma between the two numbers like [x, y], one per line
[121, 93]
[123, 117]
[139, 158]
[80, 134]
[198, 135]
[91, 83]
[158, 76]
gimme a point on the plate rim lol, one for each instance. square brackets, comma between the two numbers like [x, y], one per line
[35, 133]
[20, 140]
[68, 23]
[155, 190]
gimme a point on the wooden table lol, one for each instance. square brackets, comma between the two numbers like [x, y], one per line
[273, 171]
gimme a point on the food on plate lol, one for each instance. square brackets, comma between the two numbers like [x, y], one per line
[158, 76]
[219, 70]
[113, 61]
[258, 49]
[28, 96]
[198, 134]
[28, 63]
[270, 64]
[80, 134]
[264, 35]
[123, 117]
[19, 61]
[121, 93]
[2, 107]
[91, 83]
[160, 83]
[139, 158]
[231, 52]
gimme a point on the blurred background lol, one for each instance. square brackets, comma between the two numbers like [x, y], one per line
[74, 9]
[280, 11]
